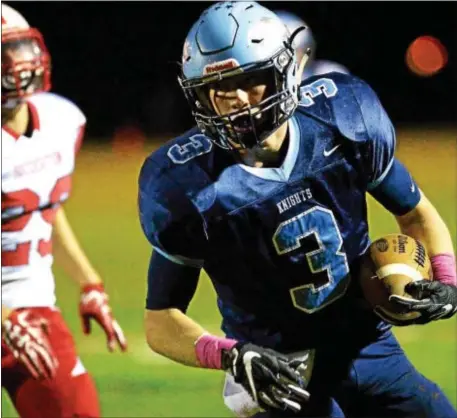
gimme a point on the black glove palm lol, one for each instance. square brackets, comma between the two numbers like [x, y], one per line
[432, 299]
[270, 377]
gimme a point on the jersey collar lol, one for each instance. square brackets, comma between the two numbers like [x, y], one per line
[283, 172]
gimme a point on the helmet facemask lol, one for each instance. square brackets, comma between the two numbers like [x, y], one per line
[250, 125]
[26, 66]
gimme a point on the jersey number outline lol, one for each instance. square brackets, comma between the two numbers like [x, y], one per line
[198, 144]
[329, 258]
[324, 86]
[25, 201]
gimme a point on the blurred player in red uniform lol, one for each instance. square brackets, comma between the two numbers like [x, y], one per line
[41, 134]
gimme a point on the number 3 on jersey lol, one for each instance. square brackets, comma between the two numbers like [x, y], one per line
[327, 262]
[197, 145]
[325, 86]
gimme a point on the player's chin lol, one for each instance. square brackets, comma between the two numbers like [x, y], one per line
[237, 140]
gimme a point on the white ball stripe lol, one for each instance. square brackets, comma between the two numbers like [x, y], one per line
[399, 268]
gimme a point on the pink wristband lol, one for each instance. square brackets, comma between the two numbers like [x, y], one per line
[444, 268]
[209, 350]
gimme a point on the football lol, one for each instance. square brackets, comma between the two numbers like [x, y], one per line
[390, 263]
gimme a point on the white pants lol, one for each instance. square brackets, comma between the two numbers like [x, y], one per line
[237, 399]
[240, 402]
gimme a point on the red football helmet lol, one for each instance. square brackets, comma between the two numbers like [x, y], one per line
[26, 63]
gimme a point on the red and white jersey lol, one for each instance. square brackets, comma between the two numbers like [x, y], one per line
[36, 179]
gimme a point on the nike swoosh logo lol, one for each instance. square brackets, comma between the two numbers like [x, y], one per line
[331, 151]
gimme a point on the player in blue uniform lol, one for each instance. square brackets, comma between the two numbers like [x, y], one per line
[304, 40]
[267, 195]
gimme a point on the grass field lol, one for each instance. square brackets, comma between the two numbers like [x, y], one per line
[141, 384]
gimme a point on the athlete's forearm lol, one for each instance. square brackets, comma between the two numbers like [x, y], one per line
[69, 255]
[426, 225]
[173, 334]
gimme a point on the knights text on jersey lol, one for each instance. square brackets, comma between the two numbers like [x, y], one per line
[36, 179]
[279, 244]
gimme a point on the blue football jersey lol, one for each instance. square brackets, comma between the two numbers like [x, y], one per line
[281, 245]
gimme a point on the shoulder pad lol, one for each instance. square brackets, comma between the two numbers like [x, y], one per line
[183, 150]
[53, 108]
[341, 101]
[167, 216]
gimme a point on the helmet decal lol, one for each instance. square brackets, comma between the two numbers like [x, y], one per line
[216, 67]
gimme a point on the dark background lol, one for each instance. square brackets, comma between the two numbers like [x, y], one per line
[117, 60]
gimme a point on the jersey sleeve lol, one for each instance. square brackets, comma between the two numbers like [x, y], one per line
[78, 123]
[169, 220]
[79, 137]
[397, 192]
[388, 181]
[170, 285]
[71, 121]
[379, 148]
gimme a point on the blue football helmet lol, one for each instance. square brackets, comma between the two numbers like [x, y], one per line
[304, 42]
[231, 39]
